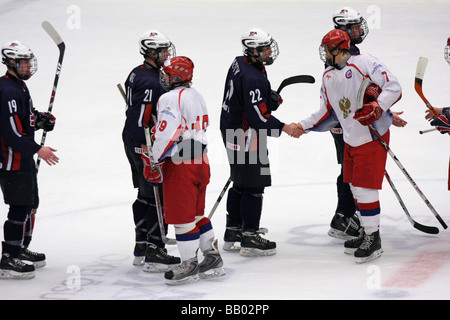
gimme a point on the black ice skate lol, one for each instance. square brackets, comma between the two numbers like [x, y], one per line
[253, 245]
[232, 235]
[14, 268]
[344, 228]
[370, 248]
[186, 272]
[157, 260]
[212, 264]
[37, 259]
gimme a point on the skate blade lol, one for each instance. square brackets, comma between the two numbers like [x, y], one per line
[340, 234]
[187, 280]
[213, 273]
[350, 251]
[138, 260]
[230, 246]
[253, 252]
[9, 274]
[152, 267]
[375, 255]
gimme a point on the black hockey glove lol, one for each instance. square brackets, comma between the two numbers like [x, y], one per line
[275, 100]
[441, 123]
[44, 120]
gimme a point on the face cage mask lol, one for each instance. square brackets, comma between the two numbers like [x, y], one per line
[365, 31]
[447, 53]
[27, 75]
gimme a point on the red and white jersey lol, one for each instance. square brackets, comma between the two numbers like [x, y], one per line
[181, 115]
[338, 101]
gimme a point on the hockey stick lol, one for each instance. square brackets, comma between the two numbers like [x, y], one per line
[295, 79]
[360, 97]
[418, 80]
[427, 130]
[62, 47]
[415, 224]
[158, 204]
[283, 84]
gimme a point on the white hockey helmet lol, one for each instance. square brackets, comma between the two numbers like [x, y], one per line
[447, 51]
[151, 45]
[346, 18]
[13, 53]
[257, 39]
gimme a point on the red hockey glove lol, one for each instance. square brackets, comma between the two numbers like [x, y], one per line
[372, 93]
[369, 113]
[441, 123]
[152, 173]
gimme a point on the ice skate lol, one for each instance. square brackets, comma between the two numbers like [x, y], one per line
[253, 245]
[233, 235]
[184, 273]
[37, 259]
[370, 248]
[212, 264]
[157, 260]
[14, 268]
[139, 253]
[344, 228]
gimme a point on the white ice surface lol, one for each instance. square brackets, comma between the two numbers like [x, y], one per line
[84, 222]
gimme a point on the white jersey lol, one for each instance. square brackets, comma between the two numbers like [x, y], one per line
[338, 101]
[181, 115]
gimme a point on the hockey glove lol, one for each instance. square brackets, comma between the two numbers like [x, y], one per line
[372, 93]
[441, 123]
[275, 100]
[369, 113]
[152, 173]
[44, 120]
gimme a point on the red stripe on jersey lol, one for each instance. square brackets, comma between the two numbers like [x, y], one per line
[18, 124]
[17, 156]
[263, 108]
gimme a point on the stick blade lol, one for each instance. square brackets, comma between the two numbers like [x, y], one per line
[47, 26]
[421, 66]
[426, 229]
[296, 79]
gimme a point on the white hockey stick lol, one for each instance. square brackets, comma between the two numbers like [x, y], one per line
[360, 98]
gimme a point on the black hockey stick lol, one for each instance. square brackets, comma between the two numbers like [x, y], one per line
[158, 204]
[415, 224]
[295, 79]
[62, 47]
[284, 83]
[361, 92]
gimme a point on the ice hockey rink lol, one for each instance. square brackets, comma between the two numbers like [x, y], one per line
[84, 223]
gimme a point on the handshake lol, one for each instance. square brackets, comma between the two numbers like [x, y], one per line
[294, 130]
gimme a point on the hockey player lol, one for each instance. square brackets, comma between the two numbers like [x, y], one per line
[345, 224]
[245, 123]
[18, 178]
[180, 162]
[364, 156]
[142, 93]
[442, 122]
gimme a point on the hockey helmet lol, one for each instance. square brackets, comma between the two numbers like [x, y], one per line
[334, 40]
[14, 53]
[348, 19]
[151, 45]
[177, 71]
[257, 39]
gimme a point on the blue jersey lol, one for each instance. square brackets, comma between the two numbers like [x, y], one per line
[246, 101]
[143, 91]
[17, 125]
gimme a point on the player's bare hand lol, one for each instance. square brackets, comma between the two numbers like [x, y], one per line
[47, 154]
[398, 121]
[292, 130]
[429, 114]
